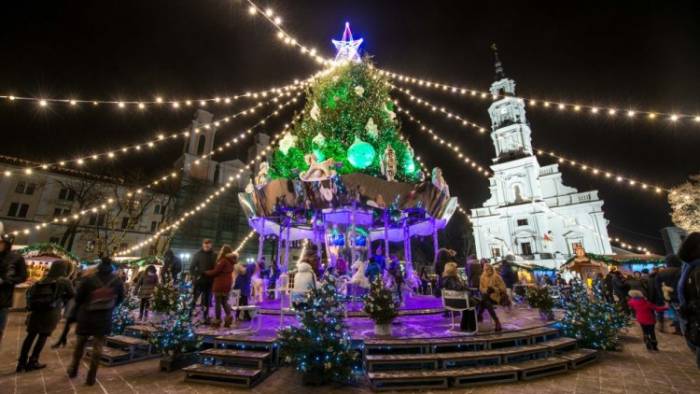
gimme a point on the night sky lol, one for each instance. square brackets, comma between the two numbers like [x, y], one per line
[644, 56]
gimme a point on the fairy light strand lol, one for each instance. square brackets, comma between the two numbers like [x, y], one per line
[244, 241]
[594, 110]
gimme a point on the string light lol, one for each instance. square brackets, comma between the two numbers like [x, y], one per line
[602, 173]
[158, 101]
[533, 102]
[449, 115]
[202, 205]
[113, 152]
[169, 176]
[449, 145]
[284, 36]
[630, 246]
[244, 241]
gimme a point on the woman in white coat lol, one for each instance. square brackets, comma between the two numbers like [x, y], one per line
[304, 280]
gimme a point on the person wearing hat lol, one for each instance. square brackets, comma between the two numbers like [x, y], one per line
[13, 271]
[645, 313]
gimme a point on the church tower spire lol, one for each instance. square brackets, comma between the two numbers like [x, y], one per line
[500, 74]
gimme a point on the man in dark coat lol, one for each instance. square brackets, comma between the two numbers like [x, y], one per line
[172, 266]
[668, 277]
[95, 299]
[13, 271]
[203, 261]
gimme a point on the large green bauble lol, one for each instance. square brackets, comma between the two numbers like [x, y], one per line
[361, 154]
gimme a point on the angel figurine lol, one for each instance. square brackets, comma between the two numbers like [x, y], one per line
[388, 163]
[439, 181]
[263, 177]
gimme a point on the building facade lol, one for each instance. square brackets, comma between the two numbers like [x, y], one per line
[59, 197]
[531, 213]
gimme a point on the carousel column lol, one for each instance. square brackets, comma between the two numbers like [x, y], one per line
[286, 247]
[279, 250]
[261, 240]
[386, 235]
[435, 240]
[353, 235]
[407, 258]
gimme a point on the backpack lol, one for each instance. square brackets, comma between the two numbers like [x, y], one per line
[44, 297]
[103, 298]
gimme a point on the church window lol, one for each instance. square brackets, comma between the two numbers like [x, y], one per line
[526, 248]
[495, 251]
[522, 222]
[200, 145]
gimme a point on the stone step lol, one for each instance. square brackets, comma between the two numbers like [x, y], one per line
[222, 375]
[124, 340]
[580, 357]
[245, 357]
[463, 377]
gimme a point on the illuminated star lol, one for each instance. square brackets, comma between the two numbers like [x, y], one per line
[347, 47]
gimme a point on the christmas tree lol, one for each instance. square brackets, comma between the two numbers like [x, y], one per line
[592, 320]
[380, 304]
[122, 315]
[176, 334]
[349, 118]
[165, 298]
[320, 347]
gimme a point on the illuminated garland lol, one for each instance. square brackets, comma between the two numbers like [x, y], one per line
[244, 241]
[142, 105]
[537, 103]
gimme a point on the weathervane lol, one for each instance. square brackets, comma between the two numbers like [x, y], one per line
[347, 47]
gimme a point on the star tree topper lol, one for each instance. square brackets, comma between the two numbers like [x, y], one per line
[347, 47]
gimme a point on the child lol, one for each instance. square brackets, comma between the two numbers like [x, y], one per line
[644, 311]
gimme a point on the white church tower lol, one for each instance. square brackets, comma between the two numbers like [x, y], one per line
[531, 213]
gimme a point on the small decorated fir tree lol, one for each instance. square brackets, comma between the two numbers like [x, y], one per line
[592, 320]
[320, 347]
[165, 298]
[123, 315]
[380, 304]
[176, 334]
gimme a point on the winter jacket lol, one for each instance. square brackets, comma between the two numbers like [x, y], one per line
[13, 271]
[223, 275]
[396, 272]
[244, 277]
[507, 274]
[492, 281]
[172, 266]
[474, 271]
[689, 283]
[146, 285]
[373, 271]
[670, 277]
[202, 262]
[304, 279]
[644, 310]
[653, 294]
[620, 287]
[453, 283]
[44, 322]
[96, 322]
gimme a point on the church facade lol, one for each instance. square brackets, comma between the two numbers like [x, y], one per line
[531, 213]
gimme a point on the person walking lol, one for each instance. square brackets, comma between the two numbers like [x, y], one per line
[243, 281]
[13, 271]
[145, 286]
[172, 266]
[644, 312]
[509, 279]
[202, 261]
[45, 300]
[222, 275]
[492, 289]
[689, 292]
[71, 313]
[95, 299]
[666, 283]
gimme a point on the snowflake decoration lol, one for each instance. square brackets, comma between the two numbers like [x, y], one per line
[315, 112]
[359, 90]
[372, 129]
[287, 142]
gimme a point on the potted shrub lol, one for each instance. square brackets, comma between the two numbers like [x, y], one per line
[539, 298]
[381, 307]
[175, 338]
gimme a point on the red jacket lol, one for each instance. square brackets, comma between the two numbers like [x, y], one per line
[223, 275]
[644, 310]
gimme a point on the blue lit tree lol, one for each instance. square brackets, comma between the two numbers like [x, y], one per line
[122, 315]
[320, 347]
[176, 333]
[591, 319]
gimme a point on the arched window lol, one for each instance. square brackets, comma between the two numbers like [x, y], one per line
[517, 194]
[200, 145]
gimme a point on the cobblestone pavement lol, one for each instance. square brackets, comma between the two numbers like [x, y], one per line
[633, 370]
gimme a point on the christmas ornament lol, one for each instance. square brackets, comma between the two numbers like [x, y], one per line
[263, 177]
[315, 112]
[389, 112]
[409, 166]
[361, 154]
[359, 90]
[372, 129]
[319, 140]
[388, 163]
[347, 48]
[287, 142]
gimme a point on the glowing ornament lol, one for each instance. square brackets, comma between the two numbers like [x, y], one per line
[389, 112]
[361, 154]
[409, 166]
[315, 112]
[287, 142]
[359, 90]
[347, 47]
[319, 140]
[372, 129]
